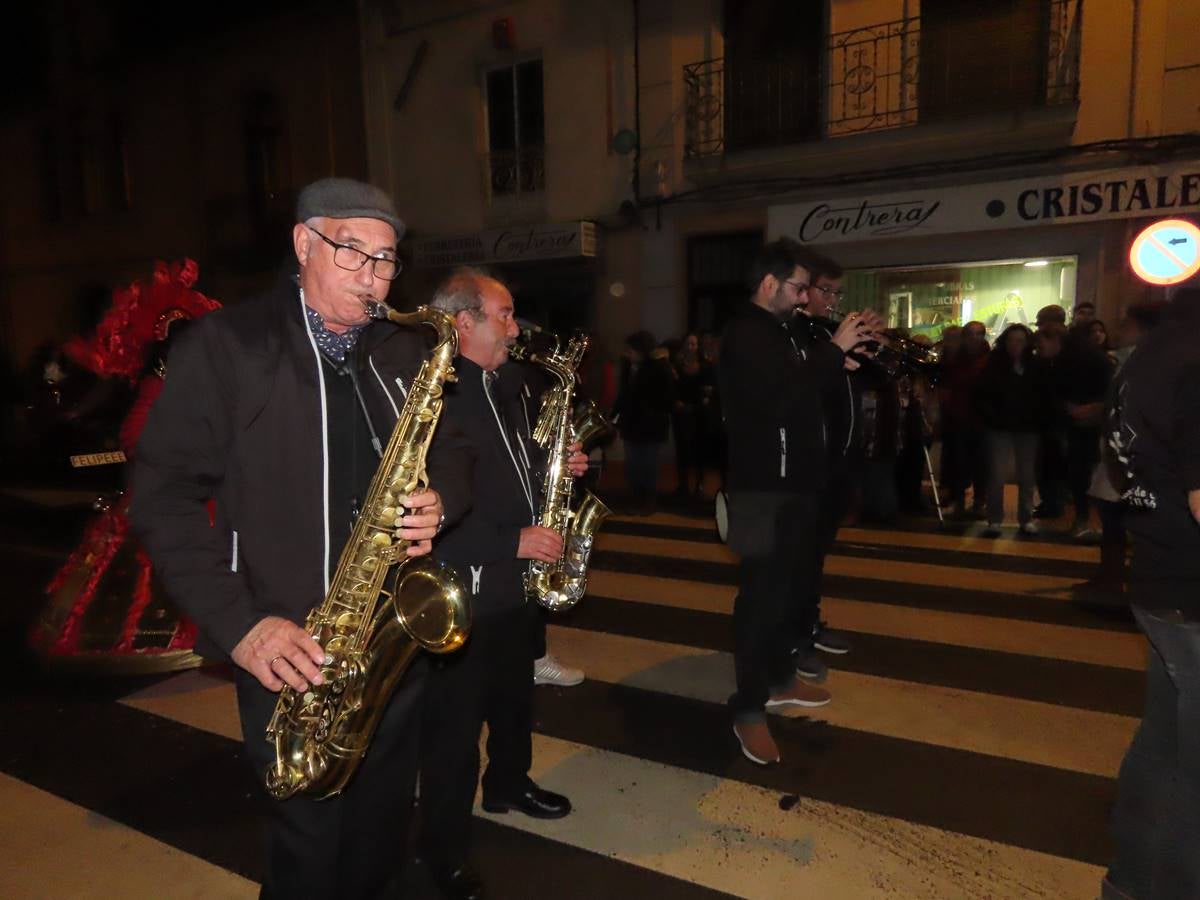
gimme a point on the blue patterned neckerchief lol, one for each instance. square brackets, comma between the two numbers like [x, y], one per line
[335, 346]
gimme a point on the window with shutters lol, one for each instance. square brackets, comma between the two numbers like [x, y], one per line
[788, 76]
[516, 129]
[772, 71]
[981, 57]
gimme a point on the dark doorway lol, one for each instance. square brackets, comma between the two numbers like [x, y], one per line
[555, 294]
[717, 266]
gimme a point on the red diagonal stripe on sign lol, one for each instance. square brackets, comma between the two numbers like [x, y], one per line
[1167, 252]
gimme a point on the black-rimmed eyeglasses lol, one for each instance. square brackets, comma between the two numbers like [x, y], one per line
[835, 293]
[798, 286]
[352, 259]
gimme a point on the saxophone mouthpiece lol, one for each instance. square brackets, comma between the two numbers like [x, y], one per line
[375, 309]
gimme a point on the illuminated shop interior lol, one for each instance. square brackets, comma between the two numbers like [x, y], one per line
[925, 299]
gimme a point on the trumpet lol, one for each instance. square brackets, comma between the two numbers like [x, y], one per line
[899, 356]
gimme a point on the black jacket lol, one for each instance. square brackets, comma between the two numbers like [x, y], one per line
[504, 480]
[881, 419]
[1155, 427]
[1083, 371]
[771, 388]
[1008, 400]
[840, 394]
[240, 422]
[644, 400]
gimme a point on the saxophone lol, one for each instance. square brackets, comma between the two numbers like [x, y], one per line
[372, 634]
[560, 585]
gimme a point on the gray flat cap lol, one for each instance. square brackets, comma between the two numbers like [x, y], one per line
[345, 198]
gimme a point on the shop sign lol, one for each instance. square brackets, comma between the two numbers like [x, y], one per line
[1166, 252]
[518, 244]
[1048, 200]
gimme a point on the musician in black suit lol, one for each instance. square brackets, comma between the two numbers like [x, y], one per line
[778, 461]
[490, 410]
[815, 323]
[276, 409]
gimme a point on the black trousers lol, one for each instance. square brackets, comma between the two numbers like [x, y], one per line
[689, 465]
[805, 610]
[910, 473]
[489, 680]
[767, 583]
[1156, 819]
[970, 464]
[350, 845]
[1052, 469]
[1083, 455]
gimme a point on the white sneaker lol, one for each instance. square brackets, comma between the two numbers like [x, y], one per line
[1029, 528]
[549, 670]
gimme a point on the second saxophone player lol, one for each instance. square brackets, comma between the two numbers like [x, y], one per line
[489, 411]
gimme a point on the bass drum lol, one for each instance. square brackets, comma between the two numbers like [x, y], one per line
[722, 516]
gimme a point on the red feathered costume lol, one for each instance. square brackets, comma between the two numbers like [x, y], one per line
[103, 607]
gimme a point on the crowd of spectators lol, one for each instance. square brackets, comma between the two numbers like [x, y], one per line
[1033, 405]
[669, 390]
[1024, 408]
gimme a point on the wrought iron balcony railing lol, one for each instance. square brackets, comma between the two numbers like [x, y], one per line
[704, 119]
[512, 173]
[879, 77]
[873, 77]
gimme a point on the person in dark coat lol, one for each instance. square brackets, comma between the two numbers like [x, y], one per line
[642, 416]
[1009, 397]
[1108, 585]
[1084, 372]
[1155, 430]
[881, 429]
[277, 409]
[489, 410]
[691, 376]
[840, 401]
[712, 426]
[771, 387]
[1052, 440]
[960, 419]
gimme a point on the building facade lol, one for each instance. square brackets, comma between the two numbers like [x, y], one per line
[149, 133]
[502, 130]
[617, 162]
[961, 160]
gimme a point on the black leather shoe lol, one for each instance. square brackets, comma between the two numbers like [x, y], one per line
[459, 882]
[534, 802]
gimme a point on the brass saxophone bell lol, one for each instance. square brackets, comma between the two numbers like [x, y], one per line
[592, 427]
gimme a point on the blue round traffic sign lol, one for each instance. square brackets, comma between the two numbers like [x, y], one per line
[1166, 252]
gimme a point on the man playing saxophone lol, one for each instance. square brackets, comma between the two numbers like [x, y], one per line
[489, 409]
[277, 410]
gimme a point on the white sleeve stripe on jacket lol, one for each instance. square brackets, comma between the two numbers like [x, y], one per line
[386, 392]
[324, 438]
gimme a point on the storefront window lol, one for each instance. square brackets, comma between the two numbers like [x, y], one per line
[925, 299]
